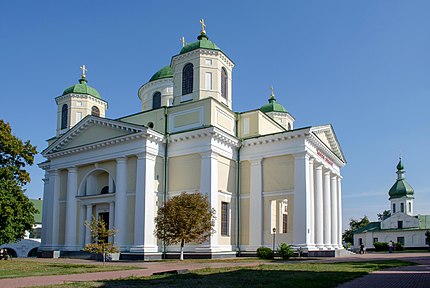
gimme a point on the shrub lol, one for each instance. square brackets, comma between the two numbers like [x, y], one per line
[381, 246]
[399, 247]
[285, 251]
[264, 253]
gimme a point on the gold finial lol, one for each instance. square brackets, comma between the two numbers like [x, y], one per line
[183, 41]
[202, 21]
[83, 71]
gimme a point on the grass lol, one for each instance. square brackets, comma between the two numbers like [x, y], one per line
[297, 275]
[18, 268]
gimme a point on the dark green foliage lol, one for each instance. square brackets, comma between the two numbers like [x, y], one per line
[16, 210]
[381, 246]
[265, 253]
[285, 251]
[399, 247]
[384, 215]
[348, 235]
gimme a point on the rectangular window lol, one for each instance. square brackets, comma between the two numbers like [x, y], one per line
[224, 219]
[78, 116]
[399, 224]
[401, 240]
[208, 61]
[284, 223]
[208, 81]
[375, 240]
[78, 103]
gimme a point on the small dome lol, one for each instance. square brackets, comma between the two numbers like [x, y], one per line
[273, 106]
[401, 188]
[165, 72]
[203, 42]
[82, 88]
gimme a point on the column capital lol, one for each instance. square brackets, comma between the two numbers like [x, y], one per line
[301, 155]
[146, 155]
[121, 160]
[209, 154]
[73, 169]
[54, 172]
[327, 172]
[311, 160]
[318, 165]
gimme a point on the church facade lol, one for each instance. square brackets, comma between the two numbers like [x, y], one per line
[262, 175]
[402, 226]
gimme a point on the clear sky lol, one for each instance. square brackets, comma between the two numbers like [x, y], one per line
[362, 66]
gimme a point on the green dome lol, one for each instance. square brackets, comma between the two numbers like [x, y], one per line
[165, 72]
[273, 106]
[401, 188]
[203, 42]
[82, 88]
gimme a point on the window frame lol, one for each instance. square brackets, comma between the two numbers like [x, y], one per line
[224, 83]
[64, 116]
[158, 95]
[225, 221]
[187, 79]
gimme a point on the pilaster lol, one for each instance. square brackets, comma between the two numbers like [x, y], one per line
[121, 202]
[256, 205]
[334, 223]
[327, 210]
[71, 211]
[319, 239]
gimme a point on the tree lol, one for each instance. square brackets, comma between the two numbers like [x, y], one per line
[185, 218]
[100, 234]
[428, 238]
[354, 224]
[16, 210]
[384, 215]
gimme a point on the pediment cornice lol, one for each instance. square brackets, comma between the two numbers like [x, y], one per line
[213, 132]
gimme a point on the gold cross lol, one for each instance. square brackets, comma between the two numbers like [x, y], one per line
[202, 21]
[183, 41]
[83, 71]
[273, 91]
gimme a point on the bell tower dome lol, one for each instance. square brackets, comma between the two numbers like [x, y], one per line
[76, 102]
[401, 193]
[201, 70]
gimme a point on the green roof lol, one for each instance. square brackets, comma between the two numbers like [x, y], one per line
[165, 72]
[82, 88]
[38, 205]
[401, 188]
[203, 42]
[272, 106]
[372, 226]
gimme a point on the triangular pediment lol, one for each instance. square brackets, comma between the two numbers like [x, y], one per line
[91, 130]
[327, 136]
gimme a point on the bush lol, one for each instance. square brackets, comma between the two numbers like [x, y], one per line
[399, 247]
[381, 246]
[264, 253]
[285, 251]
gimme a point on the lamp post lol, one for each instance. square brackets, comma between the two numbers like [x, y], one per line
[274, 239]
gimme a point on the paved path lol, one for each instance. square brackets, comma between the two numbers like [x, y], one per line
[402, 277]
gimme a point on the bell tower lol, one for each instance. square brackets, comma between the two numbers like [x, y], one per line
[76, 102]
[202, 70]
[401, 193]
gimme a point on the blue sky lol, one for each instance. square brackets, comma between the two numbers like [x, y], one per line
[362, 66]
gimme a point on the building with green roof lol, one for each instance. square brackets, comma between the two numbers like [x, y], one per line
[402, 226]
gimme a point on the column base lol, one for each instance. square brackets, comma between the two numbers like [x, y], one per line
[143, 249]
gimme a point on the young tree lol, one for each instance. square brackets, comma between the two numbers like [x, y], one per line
[354, 224]
[384, 215]
[100, 234]
[16, 210]
[185, 218]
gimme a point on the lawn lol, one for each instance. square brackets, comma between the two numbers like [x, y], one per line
[19, 268]
[297, 275]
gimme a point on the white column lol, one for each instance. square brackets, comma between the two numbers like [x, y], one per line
[82, 225]
[334, 223]
[72, 188]
[121, 202]
[46, 219]
[89, 218]
[319, 206]
[256, 205]
[312, 201]
[144, 239]
[209, 186]
[327, 210]
[111, 218]
[302, 219]
[339, 212]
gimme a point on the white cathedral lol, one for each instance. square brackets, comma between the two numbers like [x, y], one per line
[262, 176]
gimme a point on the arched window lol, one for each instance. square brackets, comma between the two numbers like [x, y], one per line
[402, 207]
[409, 207]
[95, 111]
[289, 126]
[156, 100]
[64, 116]
[224, 83]
[187, 79]
[105, 190]
[394, 208]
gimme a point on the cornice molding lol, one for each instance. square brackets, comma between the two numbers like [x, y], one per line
[278, 137]
[204, 52]
[81, 96]
[213, 132]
